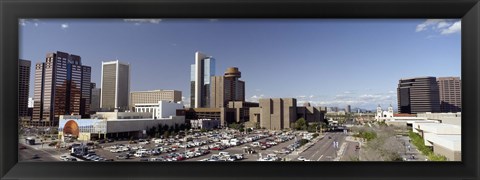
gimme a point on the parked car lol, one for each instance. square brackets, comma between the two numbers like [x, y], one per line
[35, 156]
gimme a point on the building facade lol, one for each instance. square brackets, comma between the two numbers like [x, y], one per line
[115, 86]
[62, 86]
[23, 88]
[95, 105]
[450, 89]
[418, 95]
[161, 109]
[226, 88]
[145, 97]
[242, 110]
[348, 109]
[201, 72]
[274, 113]
[384, 115]
[112, 125]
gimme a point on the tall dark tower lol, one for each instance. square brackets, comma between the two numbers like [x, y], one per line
[418, 95]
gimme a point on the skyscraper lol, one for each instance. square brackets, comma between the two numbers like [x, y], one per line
[450, 94]
[201, 71]
[115, 86]
[227, 88]
[62, 87]
[348, 109]
[95, 100]
[23, 86]
[416, 95]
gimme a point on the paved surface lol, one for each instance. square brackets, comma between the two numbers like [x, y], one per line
[407, 153]
[323, 150]
[45, 152]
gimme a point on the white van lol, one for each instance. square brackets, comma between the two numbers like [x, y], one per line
[223, 153]
[140, 154]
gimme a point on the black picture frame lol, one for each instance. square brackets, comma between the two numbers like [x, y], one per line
[467, 10]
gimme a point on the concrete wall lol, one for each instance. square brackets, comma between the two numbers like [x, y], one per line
[114, 126]
[451, 155]
[167, 109]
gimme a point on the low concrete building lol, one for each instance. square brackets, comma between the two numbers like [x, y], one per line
[224, 115]
[242, 110]
[207, 124]
[445, 139]
[311, 114]
[146, 97]
[280, 113]
[445, 118]
[112, 124]
[162, 109]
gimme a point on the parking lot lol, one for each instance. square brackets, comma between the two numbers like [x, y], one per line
[216, 145]
[219, 145]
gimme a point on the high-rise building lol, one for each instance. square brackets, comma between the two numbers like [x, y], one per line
[416, 95]
[145, 97]
[95, 100]
[450, 89]
[226, 88]
[348, 109]
[23, 87]
[62, 87]
[201, 72]
[115, 86]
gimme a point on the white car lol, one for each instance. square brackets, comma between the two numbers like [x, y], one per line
[64, 158]
[301, 158]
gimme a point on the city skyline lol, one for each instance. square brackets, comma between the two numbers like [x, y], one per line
[355, 62]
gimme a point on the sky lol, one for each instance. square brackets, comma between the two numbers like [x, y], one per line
[327, 62]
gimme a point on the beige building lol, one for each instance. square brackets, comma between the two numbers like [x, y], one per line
[445, 139]
[242, 110]
[274, 113]
[115, 85]
[450, 89]
[146, 97]
[280, 113]
[226, 88]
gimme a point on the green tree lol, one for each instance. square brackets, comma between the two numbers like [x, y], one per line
[301, 124]
[176, 128]
[166, 134]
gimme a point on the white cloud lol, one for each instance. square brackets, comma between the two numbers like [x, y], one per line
[456, 27]
[22, 22]
[429, 22]
[140, 21]
[64, 26]
[443, 26]
[26, 22]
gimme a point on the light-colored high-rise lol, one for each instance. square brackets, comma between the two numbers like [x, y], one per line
[115, 86]
[201, 72]
[450, 89]
[143, 97]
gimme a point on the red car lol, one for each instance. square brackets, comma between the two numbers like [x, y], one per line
[215, 148]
